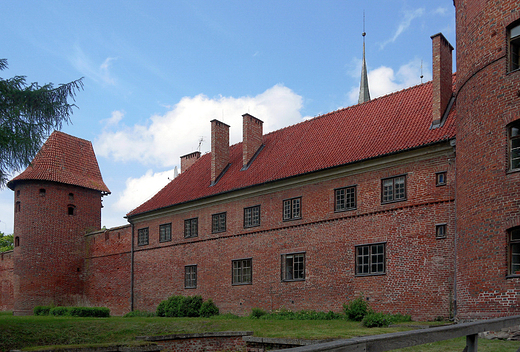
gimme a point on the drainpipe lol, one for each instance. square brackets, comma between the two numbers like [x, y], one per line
[453, 144]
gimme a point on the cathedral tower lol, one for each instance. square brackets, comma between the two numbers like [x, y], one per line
[488, 158]
[57, 200]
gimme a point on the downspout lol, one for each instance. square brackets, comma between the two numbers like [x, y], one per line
[453, 144]
[132, 269]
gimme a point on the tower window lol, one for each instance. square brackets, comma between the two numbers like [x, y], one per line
[17, 207]
[71, 197]
[42, 192]
[514, 47]
[440, 178]
[17, 241]
[440, 231]
[71, 209]
[18, 193]
[514, 146]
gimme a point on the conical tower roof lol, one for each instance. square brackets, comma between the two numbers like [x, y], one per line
[64, 159]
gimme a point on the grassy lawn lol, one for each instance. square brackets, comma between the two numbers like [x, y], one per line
[25, 332]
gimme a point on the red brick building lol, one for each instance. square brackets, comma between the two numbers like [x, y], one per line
[410, 199]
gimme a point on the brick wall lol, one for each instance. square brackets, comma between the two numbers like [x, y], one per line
[419, 267]
[203, 342]
[6, 281]
[488, 199]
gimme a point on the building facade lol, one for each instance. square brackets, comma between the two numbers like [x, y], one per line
[410, 200]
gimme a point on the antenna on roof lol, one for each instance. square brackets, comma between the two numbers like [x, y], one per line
[421, 72]
[201, 139]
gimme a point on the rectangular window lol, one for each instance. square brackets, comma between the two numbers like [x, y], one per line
[514, 251]
[242, 272]
[514, 146]
[252, 216]
[440, 178]
[370, 259]
[345, 198]
[142, 237]
[293, 267]
[191, 228]
[440, 231]
[514, 47]
[218, 222]
[165, 232]
[292, 208]
[393, 189]
[190, 276]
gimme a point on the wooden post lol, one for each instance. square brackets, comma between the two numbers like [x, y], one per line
[471, 343]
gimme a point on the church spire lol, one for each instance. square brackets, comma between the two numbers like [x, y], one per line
[364, 94]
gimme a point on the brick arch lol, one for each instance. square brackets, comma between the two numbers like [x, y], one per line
[507, 21]
[511, 116]
[513, 222]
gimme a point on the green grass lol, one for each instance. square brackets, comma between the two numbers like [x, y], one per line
[30, 331]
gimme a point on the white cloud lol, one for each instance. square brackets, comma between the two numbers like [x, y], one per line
[88, 68]
[440, 11]
[409, 16]
[384, 80]
[139, 190]
[116, 117]
[166, 137]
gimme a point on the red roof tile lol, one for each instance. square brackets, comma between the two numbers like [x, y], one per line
[65, 159]
[382, 126]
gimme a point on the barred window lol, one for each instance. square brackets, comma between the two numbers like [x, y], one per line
[165, 232]
[345, 198]
[514, 251]
[190, 276]
[293, 266]
[370, 259]
[514, 146]
[142, 237]
[252, 216]
[393, 189]
[218, 222]
[292, 208]
[242, 272]
[191, 227]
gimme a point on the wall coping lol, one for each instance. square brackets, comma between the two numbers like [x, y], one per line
[194, 336]
[281, 341]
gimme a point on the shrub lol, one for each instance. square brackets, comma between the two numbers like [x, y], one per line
[257, 313]
[139, 313]
[190, 306]
[377, 320]
[59, 311]
[171, 307]
[97, 312]
[208, 309]
[41, 310]
[357, 309]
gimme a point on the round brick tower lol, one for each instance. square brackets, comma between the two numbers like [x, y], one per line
[57, 200]
[488, 171]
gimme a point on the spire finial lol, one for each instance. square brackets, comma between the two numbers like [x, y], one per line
[364, 94]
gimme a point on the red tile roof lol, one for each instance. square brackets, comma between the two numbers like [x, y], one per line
[65, 159]
[382, 126]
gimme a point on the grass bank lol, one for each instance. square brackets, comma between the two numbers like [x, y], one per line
[25, 332]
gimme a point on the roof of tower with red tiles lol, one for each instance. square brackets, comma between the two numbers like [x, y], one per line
[64, 159]
[396, 122]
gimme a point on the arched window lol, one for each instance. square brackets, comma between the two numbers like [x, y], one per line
[71, 209]
[17, 207]
[514, 47]
[17, 241]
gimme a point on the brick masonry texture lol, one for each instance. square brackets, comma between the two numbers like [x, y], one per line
[464, 274]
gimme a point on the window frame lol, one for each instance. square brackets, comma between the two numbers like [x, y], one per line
[143, 233]
[438, 176]
[219, 228]
[189, 224]
[165, 238]
[345, 208]
[441, 231]
[249, 219]
[512, 44]
[292, 202]
[510, 139]
[190, 276]
[510, 244]
[370, 256]
[394, 200]
[241, 276]
[285, 266]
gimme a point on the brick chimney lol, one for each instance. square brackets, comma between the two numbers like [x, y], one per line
[219, 149]
[253, 138]
[188, 160]
[442, 77]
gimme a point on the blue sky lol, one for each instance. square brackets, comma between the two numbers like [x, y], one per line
[156, 72]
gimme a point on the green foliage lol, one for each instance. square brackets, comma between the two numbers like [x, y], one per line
[139, 313]
[191, 306]
[257, 313]
[59, 311]
[28, 114]
[95, 312]
[209, 309]
[357, 309]
[379, 320]
[6, 242]
[41, 310]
